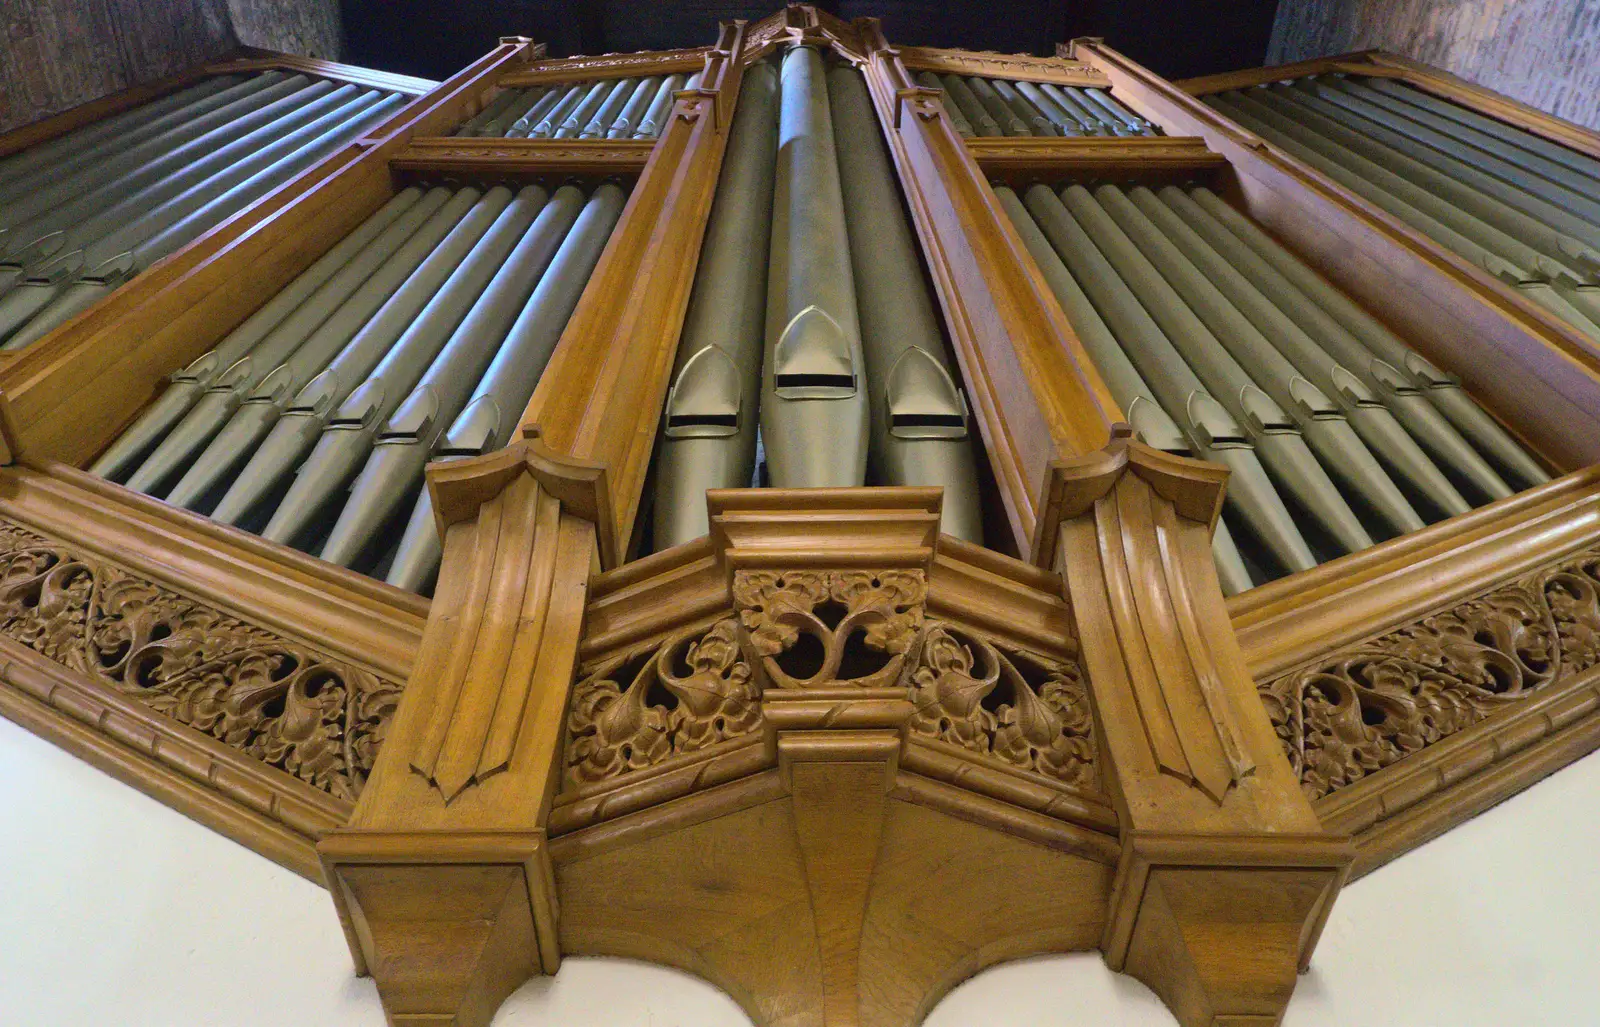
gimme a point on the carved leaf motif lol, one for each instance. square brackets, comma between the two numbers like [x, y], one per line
[1047, 730]
[277, 701]
[1371, 705]
[615, 728]
[883, 608]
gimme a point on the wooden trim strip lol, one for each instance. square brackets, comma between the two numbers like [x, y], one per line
[1133, 158]
[1203, 85]
[262, 809]
[613, 65]
[1012, 67]
[978, 809]
[451, 156]
[250, 58]
[362, 621]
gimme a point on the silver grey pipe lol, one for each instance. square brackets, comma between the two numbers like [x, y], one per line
[1552, 180]
[259, 404]
[1117, 111]
[1325, 311]
[813, 397]
[1066, 123]
[1292, 367]
[404, 328]
[1449, 225]
[708, 439]
[223, 393]
[1024, 108]
[495, 107]
[570, 99]
[108, 133]
[187, 385]
[957, 91]
[996, 107]
[1517, 138]
[920, 432]
[267, 170]
[98, 168]
[572, 125]
[1219, 435]
[526, 99]
[621, 92]
[1151, 424]
[489, 418]
[344, 445]
[1181, 305]
[524, 124]
[1377, 397]
[1531, 217]
[639, 102]
[655, 117]
[1093, 119]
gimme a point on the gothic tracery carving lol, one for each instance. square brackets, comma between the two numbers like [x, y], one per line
[1369, 705]
[803, 626]
[275, 700]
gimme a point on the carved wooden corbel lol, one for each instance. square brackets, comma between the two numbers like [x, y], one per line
[443, 878]
[1226, 876]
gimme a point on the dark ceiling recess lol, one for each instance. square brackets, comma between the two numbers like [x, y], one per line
[1175, 38]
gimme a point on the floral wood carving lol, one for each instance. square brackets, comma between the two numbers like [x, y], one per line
[808, 629]
[636, 710]
[962, 689]
[1371, 705]
[275, 700]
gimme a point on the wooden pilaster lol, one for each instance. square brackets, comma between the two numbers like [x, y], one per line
[1226, 876]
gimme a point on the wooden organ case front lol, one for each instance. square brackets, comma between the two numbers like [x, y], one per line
[1288, 560]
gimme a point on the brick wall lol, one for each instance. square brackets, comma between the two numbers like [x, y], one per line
[57, 54]
[1545, 53]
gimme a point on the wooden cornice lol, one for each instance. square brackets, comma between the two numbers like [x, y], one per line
[611, 65]
[450, 156]
[988, 64]
[250, 58]
[1136, 158]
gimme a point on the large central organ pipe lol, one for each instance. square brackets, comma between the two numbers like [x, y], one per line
[412, 326]
[919, 432]
[709, 437]
[187, 385]
[1277, 435]
[111, 260]
[377, 312]
[224, 393]
[1151, 424]
[446, 410]
[1215, 429]
[813, 400]
[1325, 312]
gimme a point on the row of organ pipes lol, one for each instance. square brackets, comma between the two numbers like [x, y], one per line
[420, 335]
[613, 108]
[832, 345]
[1219, 343]
[1522, 208]
[997, 107]
[85, 212]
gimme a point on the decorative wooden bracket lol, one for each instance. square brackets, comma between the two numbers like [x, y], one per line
[1226, 876]
[442, 878]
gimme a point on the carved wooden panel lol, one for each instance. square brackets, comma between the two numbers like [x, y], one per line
[1370, 705]
[451, 155]
[273, 699]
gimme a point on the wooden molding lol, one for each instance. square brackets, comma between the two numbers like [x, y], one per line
[611, 65]
[251, 58]
[1035, 394]
[1015, 67]
[1022, 160]
[1247, 77]
[450, 156]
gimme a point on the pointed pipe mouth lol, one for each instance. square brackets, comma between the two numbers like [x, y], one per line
[161, 415]
[239, 437]
[208, 417]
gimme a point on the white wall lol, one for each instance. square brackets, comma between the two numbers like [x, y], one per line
[114, 910]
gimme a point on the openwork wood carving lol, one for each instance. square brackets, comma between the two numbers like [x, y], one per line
[1373, 704]
[962, 689]
[634, 711]
[277, 701]
[802, 627]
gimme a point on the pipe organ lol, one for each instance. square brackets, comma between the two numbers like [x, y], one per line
[1017, 504]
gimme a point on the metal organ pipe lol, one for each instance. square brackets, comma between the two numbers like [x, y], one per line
[919, 426]
[813, 400]
[709, 437]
